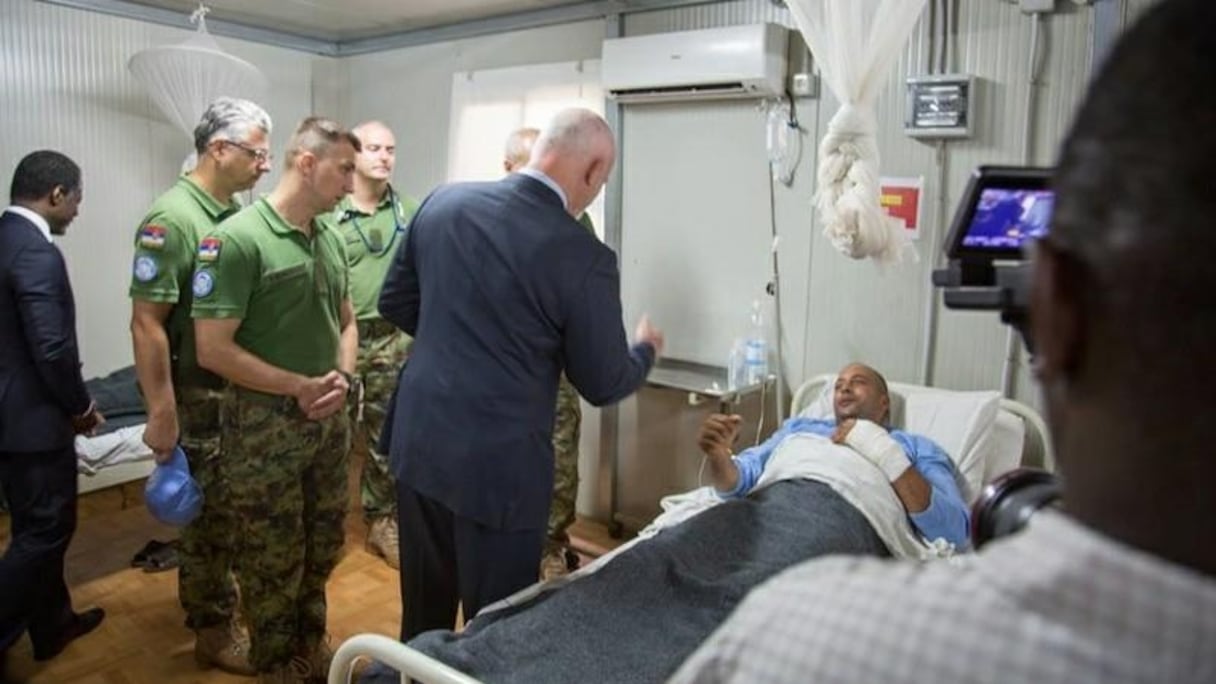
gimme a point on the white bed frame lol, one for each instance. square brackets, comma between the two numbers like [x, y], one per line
[412, 664]
[114, 475]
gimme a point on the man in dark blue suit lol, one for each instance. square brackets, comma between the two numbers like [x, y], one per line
[501, 289]
[43, 405]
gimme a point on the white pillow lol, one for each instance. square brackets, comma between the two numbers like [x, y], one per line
[959, 422]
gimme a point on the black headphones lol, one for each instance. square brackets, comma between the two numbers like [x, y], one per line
[1009, 501]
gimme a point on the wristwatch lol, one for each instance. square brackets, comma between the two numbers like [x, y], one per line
[350, 381]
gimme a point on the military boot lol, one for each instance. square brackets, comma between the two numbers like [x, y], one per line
[294, 671]
[223, 646]
[382, 539]
[319, 657]
[558, 562]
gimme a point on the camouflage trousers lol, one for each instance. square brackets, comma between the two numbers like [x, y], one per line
[286, 478]
[204, 581]
[382, 351]
[566, 424]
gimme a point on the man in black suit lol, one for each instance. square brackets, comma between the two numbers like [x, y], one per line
[502, 289]
[43, 404]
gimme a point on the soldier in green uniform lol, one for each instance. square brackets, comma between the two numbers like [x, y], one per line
[372, 219]
[231, 141]
[557, 559]
[273, 316]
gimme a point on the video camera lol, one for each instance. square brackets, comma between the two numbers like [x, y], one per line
[1002, 210]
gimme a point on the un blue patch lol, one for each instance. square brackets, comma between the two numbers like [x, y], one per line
[145, 269]
[204, 283]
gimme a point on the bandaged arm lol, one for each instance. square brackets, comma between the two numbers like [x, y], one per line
[922, 477]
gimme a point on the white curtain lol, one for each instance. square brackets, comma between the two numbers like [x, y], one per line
[856, 43]
[184, 79]
[488, 105]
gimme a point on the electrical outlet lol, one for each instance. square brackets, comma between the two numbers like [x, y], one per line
[804, 85]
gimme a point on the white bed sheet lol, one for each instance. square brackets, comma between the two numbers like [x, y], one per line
[113, 458]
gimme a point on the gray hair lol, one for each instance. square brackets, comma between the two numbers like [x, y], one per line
[229, 118]
[519, 145]
[573, 132]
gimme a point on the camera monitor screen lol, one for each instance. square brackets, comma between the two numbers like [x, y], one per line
[1002, 210]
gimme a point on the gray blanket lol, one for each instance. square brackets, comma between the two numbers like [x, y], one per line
[641, 615]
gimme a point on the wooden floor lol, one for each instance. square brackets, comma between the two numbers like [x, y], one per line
[144, 640]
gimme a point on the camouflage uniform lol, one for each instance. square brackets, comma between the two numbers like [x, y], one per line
[371, 240]
[205, 587]
[566, 424]
[382, 351]
[283, 471]
[165, 246]
[567, 421]
[286, 476]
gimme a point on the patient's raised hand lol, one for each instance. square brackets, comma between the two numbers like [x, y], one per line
[718, 434]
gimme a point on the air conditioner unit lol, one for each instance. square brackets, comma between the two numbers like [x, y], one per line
[730, 62]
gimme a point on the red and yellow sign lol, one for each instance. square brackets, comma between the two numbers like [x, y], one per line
[900, 197]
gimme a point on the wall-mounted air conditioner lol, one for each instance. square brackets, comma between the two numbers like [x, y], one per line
[730, 62]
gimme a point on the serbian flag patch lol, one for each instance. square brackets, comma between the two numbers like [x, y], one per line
[209, 249]
[152, 237]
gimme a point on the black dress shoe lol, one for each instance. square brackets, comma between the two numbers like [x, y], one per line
[81, 624]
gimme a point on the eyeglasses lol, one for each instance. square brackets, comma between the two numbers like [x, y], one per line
[262, 156]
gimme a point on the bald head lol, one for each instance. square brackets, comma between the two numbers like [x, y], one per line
[378, 156]
[861, 392]
[519, 148]
[577, 150]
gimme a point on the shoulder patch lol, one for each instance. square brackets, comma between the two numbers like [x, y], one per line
[145, 269]
[152, 236]
[209, 249]
[204, 283]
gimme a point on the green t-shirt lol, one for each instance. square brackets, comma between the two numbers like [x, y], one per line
[585, 219]
[165, 244]
[371, 241]
[286, 288]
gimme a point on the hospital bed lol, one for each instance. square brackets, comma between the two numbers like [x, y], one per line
[118, 454]
[985, 434]
[112, 459]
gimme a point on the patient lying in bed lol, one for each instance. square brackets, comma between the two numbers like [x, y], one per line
[814, 488]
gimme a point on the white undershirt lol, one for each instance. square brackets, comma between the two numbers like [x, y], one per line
[33, 217]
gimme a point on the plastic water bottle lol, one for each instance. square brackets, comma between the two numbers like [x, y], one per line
[736, 369]
[755, 349]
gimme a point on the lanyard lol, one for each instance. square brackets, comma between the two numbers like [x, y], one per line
[376, 246]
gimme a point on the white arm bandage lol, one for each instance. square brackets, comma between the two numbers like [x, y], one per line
[870, 440]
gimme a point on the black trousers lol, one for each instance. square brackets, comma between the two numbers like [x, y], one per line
[446, 558]
[41, 492]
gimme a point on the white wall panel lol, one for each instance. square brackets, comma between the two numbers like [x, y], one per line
[847, 310]
[64, 85]
[994, 44]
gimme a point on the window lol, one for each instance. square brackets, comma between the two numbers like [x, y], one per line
[488, 105]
